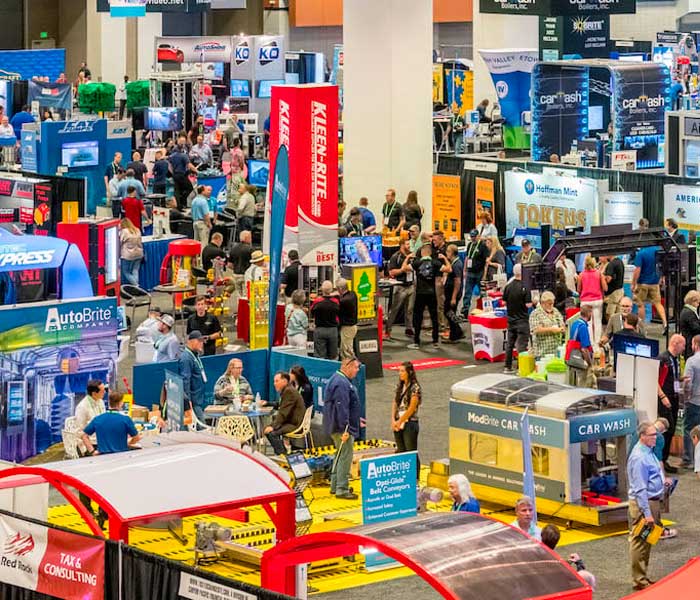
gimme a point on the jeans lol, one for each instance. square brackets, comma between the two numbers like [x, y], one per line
[692, 418]
[403, 296]
[347, 341]
[130, 270]
[326, 342]
[424, 301]
[672, 415]
[407, 441]
[183, 188]
[342, 461]
[198, 410]
[518, 337]
[472, 287]
[456, 332]
[276, 443]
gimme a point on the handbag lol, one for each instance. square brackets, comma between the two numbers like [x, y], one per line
[574, 355]
[500, 278]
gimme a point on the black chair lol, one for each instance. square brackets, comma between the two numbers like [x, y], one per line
[133, 297]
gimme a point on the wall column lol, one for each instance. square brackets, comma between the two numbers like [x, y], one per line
[387, 100]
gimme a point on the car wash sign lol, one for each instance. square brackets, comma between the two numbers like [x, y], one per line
[52, 562]
[602, 425]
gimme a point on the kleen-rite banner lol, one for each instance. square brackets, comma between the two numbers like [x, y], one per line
[48, 561]
[533, 200]
[682, 203]
[193, 49]
[510, 71]
[623, 207]
[559, 109]
[642, 97]
[305, 119]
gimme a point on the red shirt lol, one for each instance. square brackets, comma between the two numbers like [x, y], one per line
[133, 208]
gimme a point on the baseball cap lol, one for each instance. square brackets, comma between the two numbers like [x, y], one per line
[195, 335]
[474, 233]
[167, 320]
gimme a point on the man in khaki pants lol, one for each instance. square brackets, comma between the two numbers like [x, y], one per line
[647, 488]
[347, 319]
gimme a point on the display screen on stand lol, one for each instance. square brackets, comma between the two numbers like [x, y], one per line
[258, 172]
[359, 250]
[163, 119]
[111, 266]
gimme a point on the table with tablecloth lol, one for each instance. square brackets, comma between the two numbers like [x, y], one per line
[243, 324]
[154, 251]
[488, 336]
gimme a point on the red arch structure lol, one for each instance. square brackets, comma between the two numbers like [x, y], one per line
[197, 476]
[463, 556]
[680, 585]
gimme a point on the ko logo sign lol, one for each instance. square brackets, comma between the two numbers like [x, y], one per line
[241, 53]
[268, 53]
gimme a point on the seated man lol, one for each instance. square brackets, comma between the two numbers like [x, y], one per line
[232, 384]
[289, 415]
[524, 512]
[148, 330]
[617, 321]
[115, 431]
[463, 499]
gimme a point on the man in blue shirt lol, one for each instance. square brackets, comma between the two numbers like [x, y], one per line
[341, 420]
[160, 173]
[369, 223]
[127, 182]
[19, 119]
[192, 373]
[581, 334]
[646, 491]
[115, 431]
[646, 283]
[200, 216]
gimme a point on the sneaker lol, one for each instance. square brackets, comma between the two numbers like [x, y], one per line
[413, 347]
[668, 533]
[508, 371]
[347, 496]
[387, 335]
[670, 469]
[436, 345]
[409, 332]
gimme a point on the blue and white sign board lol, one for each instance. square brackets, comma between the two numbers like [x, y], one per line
[389, 492]
[602, 425]
[174, 401]
[127, 8]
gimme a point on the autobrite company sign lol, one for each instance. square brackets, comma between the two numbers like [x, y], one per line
[52, 562]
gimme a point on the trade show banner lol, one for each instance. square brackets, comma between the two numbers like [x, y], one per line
[280, 194]
[642, 97]
[438, 83]
[447, 203]
[582, 8]
[193, 49]
[29, 151]
[510, 71]
[127, 8]
[484, 198]
[682, 203]
[516, 7]
[269, 58]
[586, 37]
[51, 95]
[174, 401]
[559, 110]
[623, 207]
[533, 199]
[25, 64]
[51, 561]
[242, 65]
[623, 160]
[459, 84]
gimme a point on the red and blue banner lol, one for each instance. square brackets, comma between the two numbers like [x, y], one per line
[51, 95]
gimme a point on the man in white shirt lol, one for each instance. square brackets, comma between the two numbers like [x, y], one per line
[6, 130]
[92, 404]
[201, 153]
[167, 346]
[256, 270]
[148, 330]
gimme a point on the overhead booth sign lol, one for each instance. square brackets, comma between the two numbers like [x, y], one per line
[557, 7]
[163, 6]
[682, 203]
[623, 207]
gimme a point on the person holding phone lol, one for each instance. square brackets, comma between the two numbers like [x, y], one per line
[404, 411]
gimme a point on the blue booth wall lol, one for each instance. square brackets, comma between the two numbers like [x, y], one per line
[258, 369]
[25, 64]
[112, 136]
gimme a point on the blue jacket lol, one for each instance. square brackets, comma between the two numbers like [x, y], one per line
[191, 373]
[341, 406]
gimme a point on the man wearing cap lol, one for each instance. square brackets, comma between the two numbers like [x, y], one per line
[527, 255]
[474, 264]
[167, 346]
[148, 330]
[192, 373]
[256, 270]
[207, 324]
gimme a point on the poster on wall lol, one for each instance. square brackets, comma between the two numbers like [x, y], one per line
[52, 562]
[447, 203]
[533, 199]
[510, 71]
[193, 49]
[484, 196]
[622, 208]
[58, 96]
[586, 37]
[682, 203]
[623, 160]
[559, 110]
[641, 100]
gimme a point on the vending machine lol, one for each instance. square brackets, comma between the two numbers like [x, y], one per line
[98, 241]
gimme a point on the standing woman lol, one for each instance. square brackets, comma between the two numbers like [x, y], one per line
[404, 411]
[591, 288]
[131, 251]
[412, 211]
[496, 262]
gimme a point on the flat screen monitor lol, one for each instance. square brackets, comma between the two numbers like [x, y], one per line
[122, 324]
[80, 154]
[16, 392]
[163, 119]
[240, 88]
[595, 118]
[302, 512]
[360, 250]
[625, 344]
[265, 87]
[258, 172]
[297, 463]
[111, 266]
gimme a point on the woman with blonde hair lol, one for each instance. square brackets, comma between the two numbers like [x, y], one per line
[591, 289]
[131, 251]
[496, 262]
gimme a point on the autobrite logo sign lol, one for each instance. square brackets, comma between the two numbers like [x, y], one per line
[209, 47]
[71, 320]
[583, 25]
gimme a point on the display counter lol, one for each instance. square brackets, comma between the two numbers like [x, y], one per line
[488, 333]
[154, 251]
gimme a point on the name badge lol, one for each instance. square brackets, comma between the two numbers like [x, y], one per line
[677, 387]
[386, 221]
[204, 376]
[469, 263]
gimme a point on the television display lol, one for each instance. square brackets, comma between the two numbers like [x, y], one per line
[240, 88]
[80, 154]
[361, 250]
[163, 119]
[595, 118]
[297, 463]
[111, 266]
[15, 402]
[265, 87]
[258, 172]
[121, 319]
[625, 344]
